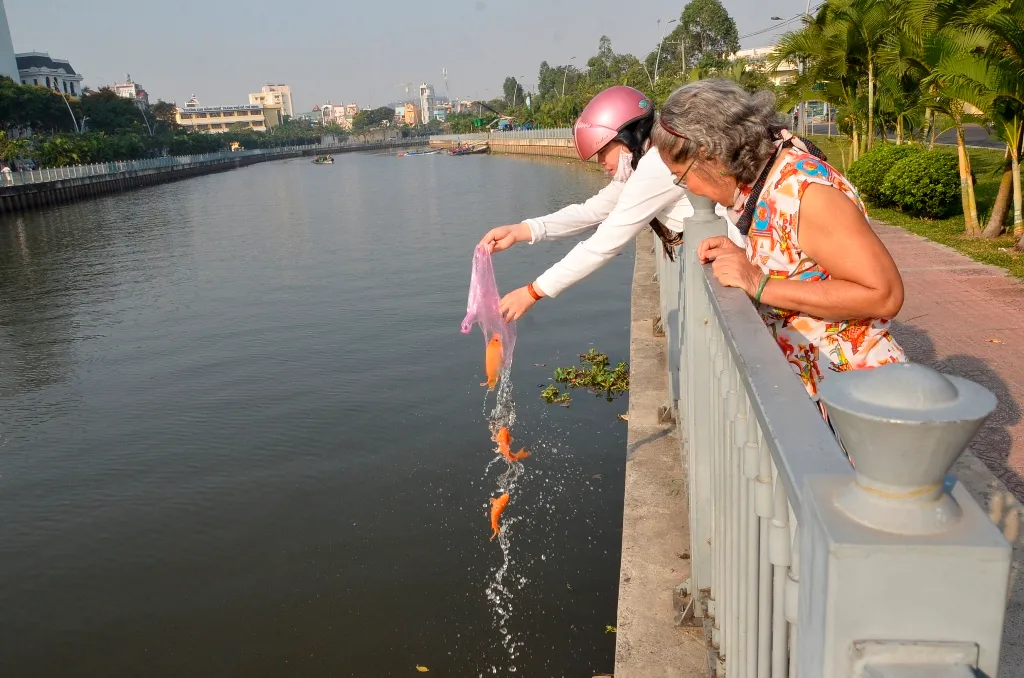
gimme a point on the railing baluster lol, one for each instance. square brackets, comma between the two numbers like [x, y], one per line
[751, 545]
[718, 538]
[732, 511]
[778, 552]
[792, 588]
[764, 508]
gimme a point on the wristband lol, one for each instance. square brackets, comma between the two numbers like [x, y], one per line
[760, 289]
[533, 292]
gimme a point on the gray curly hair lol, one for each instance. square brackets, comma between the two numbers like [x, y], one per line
[718, 120]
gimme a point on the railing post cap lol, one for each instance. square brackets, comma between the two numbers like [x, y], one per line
[904, 425]
[702, 207]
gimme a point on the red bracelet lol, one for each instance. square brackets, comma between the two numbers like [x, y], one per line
[533, 292]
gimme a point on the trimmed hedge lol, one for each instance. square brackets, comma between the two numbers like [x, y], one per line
[925, 184]
[869, 171]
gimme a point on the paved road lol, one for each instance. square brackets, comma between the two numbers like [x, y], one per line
[975, 135]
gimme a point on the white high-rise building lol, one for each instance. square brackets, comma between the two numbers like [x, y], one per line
[426, 102]
[8, 64]
[279, 96]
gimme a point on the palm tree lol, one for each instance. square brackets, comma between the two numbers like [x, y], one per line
[930, 45]
[899, 104]
[997, 86]
[868, 25]
[831, 51]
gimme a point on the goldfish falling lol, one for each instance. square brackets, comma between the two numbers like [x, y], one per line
[504, 441]
[493, 361]
[497, 506]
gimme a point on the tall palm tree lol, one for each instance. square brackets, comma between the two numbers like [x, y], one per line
[868, 25]
[998, 86]
[929, 44]
[834, 60]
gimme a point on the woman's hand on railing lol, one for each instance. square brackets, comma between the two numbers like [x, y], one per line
[731, 266]
[503, 237]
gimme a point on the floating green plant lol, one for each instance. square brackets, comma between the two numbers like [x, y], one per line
[593, 375]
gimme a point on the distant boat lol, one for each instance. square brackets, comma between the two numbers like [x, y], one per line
[322, 160]
[469, 150]
[433, 151]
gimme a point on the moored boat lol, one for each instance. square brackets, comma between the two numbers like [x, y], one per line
[469, 150]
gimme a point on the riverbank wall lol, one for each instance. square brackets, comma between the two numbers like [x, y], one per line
[555, 143]
[61, 185]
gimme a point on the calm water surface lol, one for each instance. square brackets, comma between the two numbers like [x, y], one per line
[241, 434]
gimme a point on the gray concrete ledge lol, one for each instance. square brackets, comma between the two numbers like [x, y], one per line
[655, 530]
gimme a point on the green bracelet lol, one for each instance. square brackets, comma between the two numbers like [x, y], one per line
[760, 289]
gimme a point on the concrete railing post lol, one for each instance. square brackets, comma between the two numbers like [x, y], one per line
[694, 317]
[900, 566]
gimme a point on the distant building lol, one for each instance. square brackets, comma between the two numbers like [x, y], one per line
[351, 110]
[426, 102]
[335, 114]
[131, 90]
[440, 113]
[8, 64]
[37, 68]
[758, 58]
[412, 115]
[279, 96]
[219, 119]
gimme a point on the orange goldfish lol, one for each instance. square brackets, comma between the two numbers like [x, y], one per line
[504, 441]
[493, 361]
[497, 506]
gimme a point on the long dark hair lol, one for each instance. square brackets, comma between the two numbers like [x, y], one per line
[635, 137]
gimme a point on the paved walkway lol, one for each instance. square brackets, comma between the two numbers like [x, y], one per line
[967, 319]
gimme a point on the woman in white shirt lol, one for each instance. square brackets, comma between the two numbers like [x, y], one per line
[615, 126]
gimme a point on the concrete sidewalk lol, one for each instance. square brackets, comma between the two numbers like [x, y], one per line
[966, 318]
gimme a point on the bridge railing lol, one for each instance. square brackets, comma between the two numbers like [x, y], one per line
[48, 174]
[802, 565]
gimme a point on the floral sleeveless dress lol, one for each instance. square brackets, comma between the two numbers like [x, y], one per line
[813, 347]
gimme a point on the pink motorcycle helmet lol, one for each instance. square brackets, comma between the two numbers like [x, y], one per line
[606, 116]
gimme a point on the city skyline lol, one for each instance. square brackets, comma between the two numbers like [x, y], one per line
[220, 55]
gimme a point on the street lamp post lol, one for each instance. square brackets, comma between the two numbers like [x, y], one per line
[566, 74]
[68, 104]
[657, 60]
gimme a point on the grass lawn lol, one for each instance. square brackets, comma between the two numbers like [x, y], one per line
[987, 165]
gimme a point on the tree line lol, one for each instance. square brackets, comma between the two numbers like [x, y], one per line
[48, 129]
[891, 70]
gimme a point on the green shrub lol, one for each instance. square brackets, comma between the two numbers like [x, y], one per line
[924, 184]
[869, 172]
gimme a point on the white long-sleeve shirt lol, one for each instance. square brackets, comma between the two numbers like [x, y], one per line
[618, 213]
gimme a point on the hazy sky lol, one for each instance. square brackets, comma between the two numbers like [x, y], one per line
[343, 50]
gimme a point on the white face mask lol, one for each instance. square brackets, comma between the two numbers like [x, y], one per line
[625, 166]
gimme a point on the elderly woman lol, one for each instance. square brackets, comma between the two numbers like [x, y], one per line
[823, 282]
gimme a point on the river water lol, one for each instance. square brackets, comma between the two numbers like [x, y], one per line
[241, 434]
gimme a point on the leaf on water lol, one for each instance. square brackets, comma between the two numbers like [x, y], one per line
[624, 417]
[422, 669]
[609, 629]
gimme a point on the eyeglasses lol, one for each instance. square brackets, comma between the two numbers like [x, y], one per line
[681, 180]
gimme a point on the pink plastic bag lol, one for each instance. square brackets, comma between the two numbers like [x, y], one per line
[482, 308]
